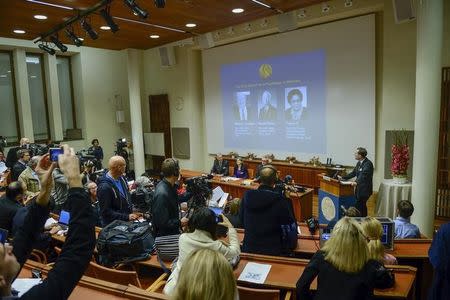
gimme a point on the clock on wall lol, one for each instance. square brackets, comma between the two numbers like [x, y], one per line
[179, 103]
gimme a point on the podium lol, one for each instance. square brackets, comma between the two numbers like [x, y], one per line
[332, 196]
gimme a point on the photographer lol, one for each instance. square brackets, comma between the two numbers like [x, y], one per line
[200, 193]
[202, 234]
[270, 227]
[97, 151]
[79, 245]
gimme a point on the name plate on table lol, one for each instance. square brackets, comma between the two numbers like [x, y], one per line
[254, 272]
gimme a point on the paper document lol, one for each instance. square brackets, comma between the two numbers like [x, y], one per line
[254, 272]
[219, 197]
[49, 222]
[22, 285]
[346, 182]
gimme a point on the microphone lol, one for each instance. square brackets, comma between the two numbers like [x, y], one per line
[344, 210]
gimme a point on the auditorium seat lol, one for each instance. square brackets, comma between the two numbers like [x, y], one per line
[246, 293]
[39, 256]
[113, 275]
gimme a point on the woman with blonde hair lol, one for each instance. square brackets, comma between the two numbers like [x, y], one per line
[343, 267]
[206, 275]
[373, 230]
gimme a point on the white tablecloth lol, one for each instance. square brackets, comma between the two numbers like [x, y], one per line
[389, 194]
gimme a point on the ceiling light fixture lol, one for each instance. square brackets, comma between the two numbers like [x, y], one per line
[237, 10]
[109, 20]
[89, 30]
[160, 3]
[40, 17]
[154, 36]
[191, 25]
[55, 40]
[50, 4]
[141, 13]
[262, 3]
[81, 39]
[47, 49]
[19, 31]
[104, 27]
[73, 37]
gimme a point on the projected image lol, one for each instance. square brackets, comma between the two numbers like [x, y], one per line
[295, 104]
[267, 107]
[241, 109]
[276, 103]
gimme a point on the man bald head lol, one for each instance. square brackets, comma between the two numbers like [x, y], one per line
[117, 166]
[268, 175]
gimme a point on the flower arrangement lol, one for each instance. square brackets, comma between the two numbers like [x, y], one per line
[233, 154]
[291, 159]
[251, 155]
[271, 157]
[400, 155]
[315, 161]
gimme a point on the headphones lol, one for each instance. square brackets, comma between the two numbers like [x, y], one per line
[273, 176]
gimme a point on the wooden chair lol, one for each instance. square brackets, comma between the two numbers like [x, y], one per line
[246, 293]
[39, 256]
[159, 284]
[230, 171]
[112, 275]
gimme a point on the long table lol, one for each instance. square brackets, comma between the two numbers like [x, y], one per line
[92, 288]
[301, 202]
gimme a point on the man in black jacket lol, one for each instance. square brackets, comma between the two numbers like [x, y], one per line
[80, 241]
[24, 157]
[113, 195]
[263, 213]
[363, 172]
[12, 158]
[220, 166]
[165, 206]
[10, 203]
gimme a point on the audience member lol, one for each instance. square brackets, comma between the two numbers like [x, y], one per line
[92, 191]
[203, 228]
[220, 166]
[30, 179]
[97, 151]
[373, 230]
[142, 196]
[3, 166]
[166, 211]
[439, 255]
[10, 203]
[79, 245]
[206, 274]
[240, 170]
[24, 156]
[113, 194]
[343, 267]
[12, 157]
[233, 212]
[263, 214]
[88, 171]
[403, 228]
[264, 161]
[59, 192]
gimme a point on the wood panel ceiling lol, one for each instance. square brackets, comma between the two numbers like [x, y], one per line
[209, 15]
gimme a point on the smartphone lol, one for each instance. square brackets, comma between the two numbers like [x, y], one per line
[54, 152]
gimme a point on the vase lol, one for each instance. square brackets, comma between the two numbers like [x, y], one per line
[400, 179]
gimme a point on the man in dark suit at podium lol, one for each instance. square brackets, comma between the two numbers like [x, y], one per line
[220, 166]
[363, 182]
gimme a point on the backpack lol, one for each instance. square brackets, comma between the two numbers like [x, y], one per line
[124, 242]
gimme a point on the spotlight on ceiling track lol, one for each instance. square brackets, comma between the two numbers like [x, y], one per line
[47, 49]
[141, 13]
[160, 3]
[109, 20]
[72, 36]
[88, 28]
[58, 43]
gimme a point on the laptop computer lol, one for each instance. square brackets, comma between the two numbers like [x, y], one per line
[64, 218]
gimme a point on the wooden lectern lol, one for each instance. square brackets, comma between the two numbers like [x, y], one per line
[332, 196]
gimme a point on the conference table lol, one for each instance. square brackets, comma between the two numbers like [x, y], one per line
[301, 201]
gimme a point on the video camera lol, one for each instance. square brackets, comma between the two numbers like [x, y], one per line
[200, 189]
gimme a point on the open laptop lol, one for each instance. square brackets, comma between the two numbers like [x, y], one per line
[64, 218]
